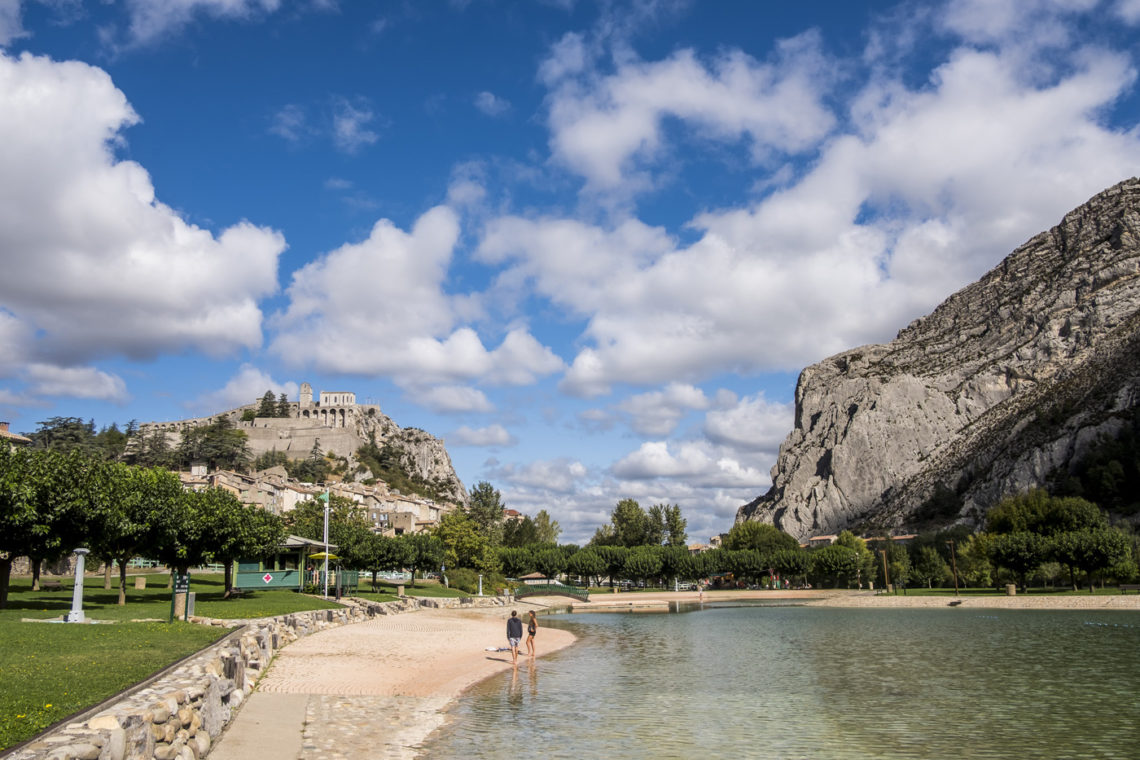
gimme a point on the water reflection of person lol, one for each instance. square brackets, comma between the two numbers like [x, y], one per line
[533, 680]
[514, 692]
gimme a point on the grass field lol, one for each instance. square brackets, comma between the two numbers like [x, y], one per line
[51, 670]
[387, 589]
[153, 602]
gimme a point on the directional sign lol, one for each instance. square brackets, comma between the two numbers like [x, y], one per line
[181, 584]
[267, 577]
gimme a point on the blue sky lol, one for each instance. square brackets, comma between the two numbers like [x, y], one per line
[589, 244]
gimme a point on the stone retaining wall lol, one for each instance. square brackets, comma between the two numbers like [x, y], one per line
[178, 714]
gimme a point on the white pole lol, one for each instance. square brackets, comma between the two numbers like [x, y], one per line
[326, 544]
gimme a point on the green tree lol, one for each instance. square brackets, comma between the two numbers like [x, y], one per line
[219, 445]
[655, 526]
[387, 553]
[614, 559]
[64, 513]
[485, 509]
[66, 434]
[550, 562]
[973, 559]
[44, 506]
[629, 524]
[238, 531]
[520, 533]
[789, 563]
[1038, 512]
[268, 405]
[1092, 550]
[516, 561]
[864, 557]
[1019, 552]
[760, 536]
[642, 563]
[675, 526]
[929, 567]
[587, 564]
[463, 542]
[546, 530]
[154, 450]
[129, 498]
[282, 406]
[835, 562]
[676, 562]
[427, 552]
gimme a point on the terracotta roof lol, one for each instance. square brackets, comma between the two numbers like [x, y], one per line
[8, 435]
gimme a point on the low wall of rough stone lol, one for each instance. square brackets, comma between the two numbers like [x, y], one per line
[179, 713]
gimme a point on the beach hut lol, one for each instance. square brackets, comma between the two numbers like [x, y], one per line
[293, 565]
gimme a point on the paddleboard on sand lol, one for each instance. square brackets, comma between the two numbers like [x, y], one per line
[498, 649]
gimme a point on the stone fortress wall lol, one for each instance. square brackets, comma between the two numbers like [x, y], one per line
[333, 422]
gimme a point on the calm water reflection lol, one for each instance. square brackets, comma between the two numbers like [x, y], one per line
[798, 682]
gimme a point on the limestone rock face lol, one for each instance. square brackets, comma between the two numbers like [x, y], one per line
[1006, 381]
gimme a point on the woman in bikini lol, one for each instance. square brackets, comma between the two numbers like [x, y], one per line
[531, 629]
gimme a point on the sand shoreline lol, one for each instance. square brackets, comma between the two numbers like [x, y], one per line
[380, 688]
[847, 598]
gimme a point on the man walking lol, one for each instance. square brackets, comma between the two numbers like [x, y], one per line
[514, 635]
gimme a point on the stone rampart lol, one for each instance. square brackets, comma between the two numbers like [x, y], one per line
[178, 714]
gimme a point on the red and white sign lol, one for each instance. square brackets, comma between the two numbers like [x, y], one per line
[267, 577]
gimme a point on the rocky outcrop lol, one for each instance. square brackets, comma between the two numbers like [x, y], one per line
[1008, 380]
[339, 429]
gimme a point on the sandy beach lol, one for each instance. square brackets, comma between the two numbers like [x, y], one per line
[375, 689]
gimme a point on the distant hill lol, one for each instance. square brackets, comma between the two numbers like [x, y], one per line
[1007, 385]
[335, 423]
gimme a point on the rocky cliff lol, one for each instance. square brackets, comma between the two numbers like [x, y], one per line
[1007, 381]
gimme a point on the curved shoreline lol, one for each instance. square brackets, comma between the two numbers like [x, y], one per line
[851, 598]
[378, 688]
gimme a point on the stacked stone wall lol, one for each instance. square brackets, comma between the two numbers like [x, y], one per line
[179, 714]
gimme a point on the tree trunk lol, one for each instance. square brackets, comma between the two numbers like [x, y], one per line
[5, 577]
[122, 581]
[228, 566]
[107, 563]
[35, 563]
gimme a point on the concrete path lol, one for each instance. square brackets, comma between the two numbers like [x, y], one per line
[268, 725]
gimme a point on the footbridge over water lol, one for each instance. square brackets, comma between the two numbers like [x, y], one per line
[553, 589]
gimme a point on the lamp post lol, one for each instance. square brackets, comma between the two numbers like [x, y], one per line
[76, 613]
[886, 572]
[954, 564]
[325, 499]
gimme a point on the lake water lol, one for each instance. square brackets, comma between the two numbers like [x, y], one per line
[762, 681]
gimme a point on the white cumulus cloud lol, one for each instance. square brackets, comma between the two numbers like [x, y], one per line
[246, 387]
[492, 436]
[378, 307]
[93, 262]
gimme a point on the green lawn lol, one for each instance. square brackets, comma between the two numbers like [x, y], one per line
[387, 589]
[52, 670]
[153, 602]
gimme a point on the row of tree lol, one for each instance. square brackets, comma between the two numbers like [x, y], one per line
[52, 502]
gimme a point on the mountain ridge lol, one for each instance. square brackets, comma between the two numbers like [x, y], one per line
[1009, 379]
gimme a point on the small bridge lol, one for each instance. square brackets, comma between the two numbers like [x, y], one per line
[553, 589]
